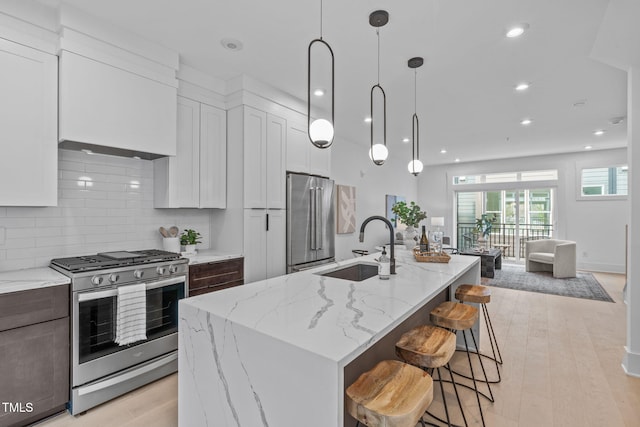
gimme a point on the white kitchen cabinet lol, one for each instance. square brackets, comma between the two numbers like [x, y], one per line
[264, 243]
[213, 157]
[302, 156]
[107, 106]
[264, 159]
[28, 126]
[196, 176]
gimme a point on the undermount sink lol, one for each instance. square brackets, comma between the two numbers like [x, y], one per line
[354, 272]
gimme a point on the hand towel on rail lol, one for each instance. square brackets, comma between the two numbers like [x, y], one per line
[131, 314]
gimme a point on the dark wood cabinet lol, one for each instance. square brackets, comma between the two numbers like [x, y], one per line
[214, 276]
[34, 354]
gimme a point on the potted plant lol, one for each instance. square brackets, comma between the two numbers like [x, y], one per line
[483, 227]
[189, 238]
[410, 215]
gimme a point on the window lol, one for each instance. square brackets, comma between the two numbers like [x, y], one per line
[603, 182]
[492, 178]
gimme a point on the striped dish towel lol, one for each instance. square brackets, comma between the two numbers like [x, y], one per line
[131, 314]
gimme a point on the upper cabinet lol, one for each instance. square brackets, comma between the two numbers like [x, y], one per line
[264, 159]
[196, 176]
[28, 115]
[302, 156]
[107, 106]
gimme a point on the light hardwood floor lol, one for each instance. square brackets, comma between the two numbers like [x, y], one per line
[562, 367]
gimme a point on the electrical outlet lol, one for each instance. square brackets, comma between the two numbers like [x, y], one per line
[585, 254]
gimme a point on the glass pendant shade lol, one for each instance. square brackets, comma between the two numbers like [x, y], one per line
[415, 167]
[321, 132]
[378, 153]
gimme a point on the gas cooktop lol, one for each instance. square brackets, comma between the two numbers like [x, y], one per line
[113, 259]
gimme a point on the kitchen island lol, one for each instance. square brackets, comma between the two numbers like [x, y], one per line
[280, 352]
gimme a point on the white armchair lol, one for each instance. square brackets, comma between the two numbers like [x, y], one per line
[556, 256]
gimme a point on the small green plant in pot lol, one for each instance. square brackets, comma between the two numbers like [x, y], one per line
[410, 215]
[189, 238]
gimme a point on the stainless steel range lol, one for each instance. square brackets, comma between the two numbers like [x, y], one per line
[102, 369]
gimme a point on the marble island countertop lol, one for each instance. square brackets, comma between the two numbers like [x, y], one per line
[280, 352]
[30, 278]
[332, 317]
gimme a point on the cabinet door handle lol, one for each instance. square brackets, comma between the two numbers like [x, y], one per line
[267, 222]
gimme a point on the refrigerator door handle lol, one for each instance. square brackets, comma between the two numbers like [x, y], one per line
[313, 200]
[319, 215]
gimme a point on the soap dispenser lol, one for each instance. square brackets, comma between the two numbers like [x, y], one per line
[384, 265]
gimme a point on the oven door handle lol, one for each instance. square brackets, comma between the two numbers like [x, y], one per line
[90, 296]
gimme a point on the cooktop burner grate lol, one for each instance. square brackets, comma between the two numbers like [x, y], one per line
[113, 259]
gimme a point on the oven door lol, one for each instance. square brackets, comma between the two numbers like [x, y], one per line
[94, 352]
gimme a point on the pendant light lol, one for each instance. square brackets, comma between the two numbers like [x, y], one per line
[415, 165]
[378, 151]
[320, 131]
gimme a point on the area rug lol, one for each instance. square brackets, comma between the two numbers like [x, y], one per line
[515, 277]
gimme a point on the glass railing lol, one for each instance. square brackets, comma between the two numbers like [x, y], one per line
[508, 237]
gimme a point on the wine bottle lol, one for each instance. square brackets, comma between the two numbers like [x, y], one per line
[424, 242]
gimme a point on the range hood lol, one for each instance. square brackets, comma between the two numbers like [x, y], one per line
[110, 151]
[109, 110]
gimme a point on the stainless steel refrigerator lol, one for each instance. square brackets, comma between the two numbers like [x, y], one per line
[310, 221]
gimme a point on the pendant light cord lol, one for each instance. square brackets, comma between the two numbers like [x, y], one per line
[320, 19]
[378, 34]
[415, 91]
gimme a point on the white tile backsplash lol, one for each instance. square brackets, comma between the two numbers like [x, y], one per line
[112, 209]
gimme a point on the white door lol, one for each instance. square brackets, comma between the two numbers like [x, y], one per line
[28, 126]
[184, 170]
[297, 146]
[255, 244]
[255, 154]
[276, 243]
[213, 157]
[276, 158]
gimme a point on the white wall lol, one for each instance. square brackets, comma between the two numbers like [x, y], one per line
[112, 211]
[596, 225]
[350, 165]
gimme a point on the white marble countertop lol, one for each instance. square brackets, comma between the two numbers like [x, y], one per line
[333, 318]
[210, 255]
[30, 278]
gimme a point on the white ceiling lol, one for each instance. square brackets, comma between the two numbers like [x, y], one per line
[466, 100]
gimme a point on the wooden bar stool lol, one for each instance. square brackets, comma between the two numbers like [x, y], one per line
[430, 347]
[460, 317]
[392, 394]
[482, 295]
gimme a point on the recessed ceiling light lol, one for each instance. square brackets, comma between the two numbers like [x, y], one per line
[232, 44]
[457, 160]
[318, 92]
[405, 139]
[84, 150]
[443, 151]
[599, 132]
[522, 86]
[525, 122]
[367, 119]
[136, 157]
[517, 30]
[588, 147]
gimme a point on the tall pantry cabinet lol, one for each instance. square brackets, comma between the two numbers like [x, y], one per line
[262, 137]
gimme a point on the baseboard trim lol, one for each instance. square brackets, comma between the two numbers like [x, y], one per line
[631, 363]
